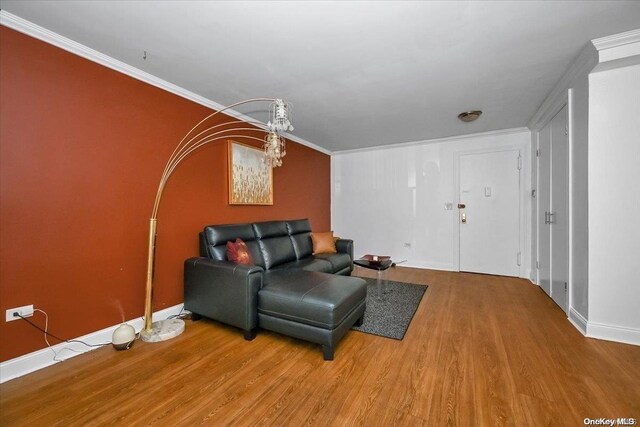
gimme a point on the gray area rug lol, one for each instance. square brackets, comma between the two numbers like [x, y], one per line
[391, 315]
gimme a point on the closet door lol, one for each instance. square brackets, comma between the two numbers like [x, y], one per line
[544, 207]
[559, 224]
[553, 209]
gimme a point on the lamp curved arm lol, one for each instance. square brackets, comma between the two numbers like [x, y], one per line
[188, 144]
[192, 145]
[215, 113]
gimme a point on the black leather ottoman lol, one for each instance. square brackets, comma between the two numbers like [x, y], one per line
[312, 306]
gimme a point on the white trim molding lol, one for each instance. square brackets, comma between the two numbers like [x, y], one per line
[578, 320]
[26, 27]
[441, 266]
[586, 60]
[434, 141]
[39, 359]
[618, 46]
[613, 333]
[597, 51]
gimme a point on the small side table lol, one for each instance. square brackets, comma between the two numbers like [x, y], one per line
[379, 266]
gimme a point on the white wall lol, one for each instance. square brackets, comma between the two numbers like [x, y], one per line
[388, 197]
[614, 194]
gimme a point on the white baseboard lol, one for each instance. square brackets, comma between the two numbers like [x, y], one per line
[428, 265]
[441, 266]
[613, 333]
[602, 331]
[31, 362]
[578, 321]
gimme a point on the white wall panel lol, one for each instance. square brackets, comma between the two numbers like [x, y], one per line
[614, 189]
[391, 200]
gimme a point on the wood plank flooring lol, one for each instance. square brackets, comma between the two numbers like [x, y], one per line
[480, 351]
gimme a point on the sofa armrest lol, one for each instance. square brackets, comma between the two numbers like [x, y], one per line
[223, 291]
[345, 246]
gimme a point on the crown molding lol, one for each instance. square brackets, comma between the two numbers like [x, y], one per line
[618, 49]
[617, 40]
[436, 140]
[595, 53]
[21, 25]
[586, 61]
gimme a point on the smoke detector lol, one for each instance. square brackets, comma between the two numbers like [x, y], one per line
[469, 116]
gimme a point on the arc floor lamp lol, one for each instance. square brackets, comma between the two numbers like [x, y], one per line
[202, 134]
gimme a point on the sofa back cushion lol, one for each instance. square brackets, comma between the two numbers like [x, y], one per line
[300, 232]
[274, 242]
[214, 240]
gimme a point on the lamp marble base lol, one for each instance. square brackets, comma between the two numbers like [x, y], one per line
[163, 330]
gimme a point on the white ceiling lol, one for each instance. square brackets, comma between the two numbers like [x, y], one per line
[359, 74]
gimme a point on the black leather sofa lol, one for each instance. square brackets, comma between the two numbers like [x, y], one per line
[288, 290]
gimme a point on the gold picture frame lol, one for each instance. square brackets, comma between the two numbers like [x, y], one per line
[250, 179]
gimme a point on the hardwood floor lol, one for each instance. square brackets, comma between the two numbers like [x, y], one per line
[481, 350]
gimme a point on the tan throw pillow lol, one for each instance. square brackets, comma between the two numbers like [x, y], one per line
[323, 243]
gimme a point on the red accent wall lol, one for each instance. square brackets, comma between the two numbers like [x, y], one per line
[82, 150]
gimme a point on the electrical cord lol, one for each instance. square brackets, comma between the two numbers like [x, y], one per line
[180, 315]
[49, 334]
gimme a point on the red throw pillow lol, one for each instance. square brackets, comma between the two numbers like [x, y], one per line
[237, 252]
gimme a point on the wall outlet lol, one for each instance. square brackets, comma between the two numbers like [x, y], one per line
[24, 311]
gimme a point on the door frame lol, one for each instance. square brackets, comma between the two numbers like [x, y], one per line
[524, 217]
[565, 101]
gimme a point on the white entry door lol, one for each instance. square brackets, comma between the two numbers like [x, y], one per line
[489, 212]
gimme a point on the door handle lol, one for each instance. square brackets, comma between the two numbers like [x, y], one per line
[464, 218]
[548, 217]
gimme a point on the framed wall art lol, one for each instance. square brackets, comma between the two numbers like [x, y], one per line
[250, 179]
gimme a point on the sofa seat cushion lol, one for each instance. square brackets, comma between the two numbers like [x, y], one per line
[308, 264]
[339, 261]
[316, 299]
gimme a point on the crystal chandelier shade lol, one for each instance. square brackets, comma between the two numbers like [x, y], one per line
[280, 121]
[274, 150]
